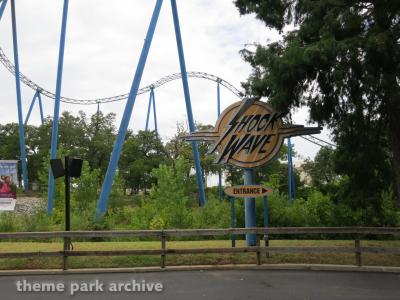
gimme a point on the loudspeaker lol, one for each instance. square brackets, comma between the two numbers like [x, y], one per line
[75, 167]
[57, 168]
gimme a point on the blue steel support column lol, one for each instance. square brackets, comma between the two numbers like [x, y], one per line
[233, 220]
[30, 108]
[290, 170]
[19, 102]
[112, 166]
[185, 83]
[218, 113]
[2, 7]
[250, 208]
[40, 107]
[154, 111]
[148, 110]
[57, 100]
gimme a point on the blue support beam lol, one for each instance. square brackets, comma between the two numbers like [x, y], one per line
[112, 166]
[57, 100]
[39, 98]
[218, 114]
[30, 108]
[192, 128]
[40, 107]
[3, 5]
[154, 111]
[250, 208]
[19, 101]
[149, 109]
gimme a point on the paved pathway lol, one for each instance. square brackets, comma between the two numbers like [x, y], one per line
[193, 285]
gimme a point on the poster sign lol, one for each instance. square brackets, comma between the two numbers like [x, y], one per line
[249, 134]
[8, 184]
[243, 191]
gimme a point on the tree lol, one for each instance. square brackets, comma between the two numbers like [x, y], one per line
[101, 135]
[342, 60]
[141, 154]
[178, 147]
[321, 170]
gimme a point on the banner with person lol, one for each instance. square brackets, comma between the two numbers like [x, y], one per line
[8, 184]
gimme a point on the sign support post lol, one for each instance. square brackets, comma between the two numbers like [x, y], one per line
[250, 208]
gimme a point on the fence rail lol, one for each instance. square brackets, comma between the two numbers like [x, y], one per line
[163, 235]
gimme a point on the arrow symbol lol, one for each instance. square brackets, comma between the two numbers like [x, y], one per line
[264, 190]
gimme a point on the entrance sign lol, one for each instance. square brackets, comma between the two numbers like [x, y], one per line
[8, 187]
[247, 191]
[249, 134]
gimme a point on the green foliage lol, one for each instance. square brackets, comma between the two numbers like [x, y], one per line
[214, 214]
[167, 206]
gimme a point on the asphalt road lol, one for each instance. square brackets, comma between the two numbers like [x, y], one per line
[193, 285]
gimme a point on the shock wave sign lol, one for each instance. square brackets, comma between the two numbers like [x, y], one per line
[8, 186]
[249, 133]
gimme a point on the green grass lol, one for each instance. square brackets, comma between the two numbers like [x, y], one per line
[192, 259]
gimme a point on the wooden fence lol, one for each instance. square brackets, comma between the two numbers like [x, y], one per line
[163, 235]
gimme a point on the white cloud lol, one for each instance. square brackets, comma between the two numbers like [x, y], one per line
[104, 40]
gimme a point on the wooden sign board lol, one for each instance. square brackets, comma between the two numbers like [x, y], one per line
[249, 134]
[247, 191]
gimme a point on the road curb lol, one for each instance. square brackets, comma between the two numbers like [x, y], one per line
[299, 267]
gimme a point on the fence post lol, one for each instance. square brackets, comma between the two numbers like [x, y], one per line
[258, 253]
[65, 257]
[358, 252]
[163, 247]
[266, 244]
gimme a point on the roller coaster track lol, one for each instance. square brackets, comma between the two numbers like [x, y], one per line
[10, 67]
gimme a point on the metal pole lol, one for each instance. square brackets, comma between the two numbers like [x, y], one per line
[67, 208]
[2, 7]
[148, 110]
[154, 111]
[290, 170]
[218, 114]
[233, 220]
[30, 109]
[54, 134]
[19, 102]
[185, 83]
[250, 208]
[40, 107]
[112, 166]
[67, 195]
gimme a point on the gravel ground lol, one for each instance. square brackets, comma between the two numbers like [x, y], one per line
[28, 205]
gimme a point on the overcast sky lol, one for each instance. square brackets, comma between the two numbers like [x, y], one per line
[103, 44]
